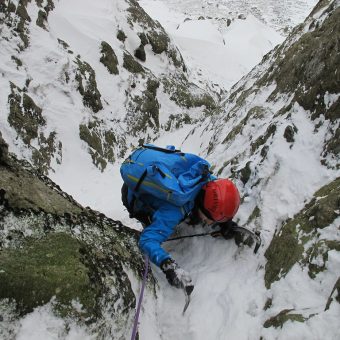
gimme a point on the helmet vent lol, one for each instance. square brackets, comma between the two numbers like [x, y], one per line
[215, 200]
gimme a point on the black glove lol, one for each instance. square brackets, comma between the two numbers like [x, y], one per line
[226, 230]
[176, 276]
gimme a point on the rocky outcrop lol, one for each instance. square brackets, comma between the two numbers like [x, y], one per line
[299, 241]
[3, 150]
[104, 144]
[26, 117]
[54, 250]
[109, 58]
[135, 39]
[87, 85]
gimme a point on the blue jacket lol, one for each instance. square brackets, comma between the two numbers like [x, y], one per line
[164, 218]
[182, 174]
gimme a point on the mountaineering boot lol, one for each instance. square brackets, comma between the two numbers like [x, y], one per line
[176, 276]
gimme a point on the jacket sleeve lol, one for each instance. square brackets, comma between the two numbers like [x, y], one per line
[164, 220]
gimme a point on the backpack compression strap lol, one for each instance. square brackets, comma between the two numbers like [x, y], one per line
[141, 179]
[156, 148]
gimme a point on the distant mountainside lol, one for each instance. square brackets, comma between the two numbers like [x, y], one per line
[126, 89]
[281, 15]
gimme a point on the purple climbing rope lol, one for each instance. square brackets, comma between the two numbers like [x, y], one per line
[135, 325]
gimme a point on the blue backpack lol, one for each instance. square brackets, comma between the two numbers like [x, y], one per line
[167, 174]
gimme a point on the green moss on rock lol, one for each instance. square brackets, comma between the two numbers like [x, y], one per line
[22, 191]
[323, 209]
[42, 19]
[47, 268]
[255, 214]
[143, 39]
[319, 251]
[184, 94]
[109, 58]
[147, 107]
[256, 112]
[177, 58]
[177, 121]
[131, 64]
[102, 143]
[49, 147]
[287, 247]
[24, 116]
[264, 138]
[308, 66]
[159, 41]
[284, 316]
[138, 15]
[54, 248]
[87, 85]
[22, 24]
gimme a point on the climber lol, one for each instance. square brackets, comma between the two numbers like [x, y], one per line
[162, 187]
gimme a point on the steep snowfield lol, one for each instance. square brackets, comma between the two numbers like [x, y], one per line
[100, 192]
[229, 296]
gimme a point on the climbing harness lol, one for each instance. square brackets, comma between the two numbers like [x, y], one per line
[135, 325]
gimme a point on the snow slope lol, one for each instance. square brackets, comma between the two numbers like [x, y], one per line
[223, 57]
[279, 15]
[229, 294]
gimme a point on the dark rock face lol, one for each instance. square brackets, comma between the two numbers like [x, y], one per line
[140, 53]
[87, 85]
[307, 68]
[30, 113]
[131, 64]
[187, 96]
[55, 248]
[109, 58]
[3, 150]
[288, 246]
[284, 316]
[52, 266]
[121, 36]
[104, 144]
[153, 34]
[42, 19]
[289, 134]
[25, 116]
[148, 107]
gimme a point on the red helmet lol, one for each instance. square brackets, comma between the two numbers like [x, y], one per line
[221, 200]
